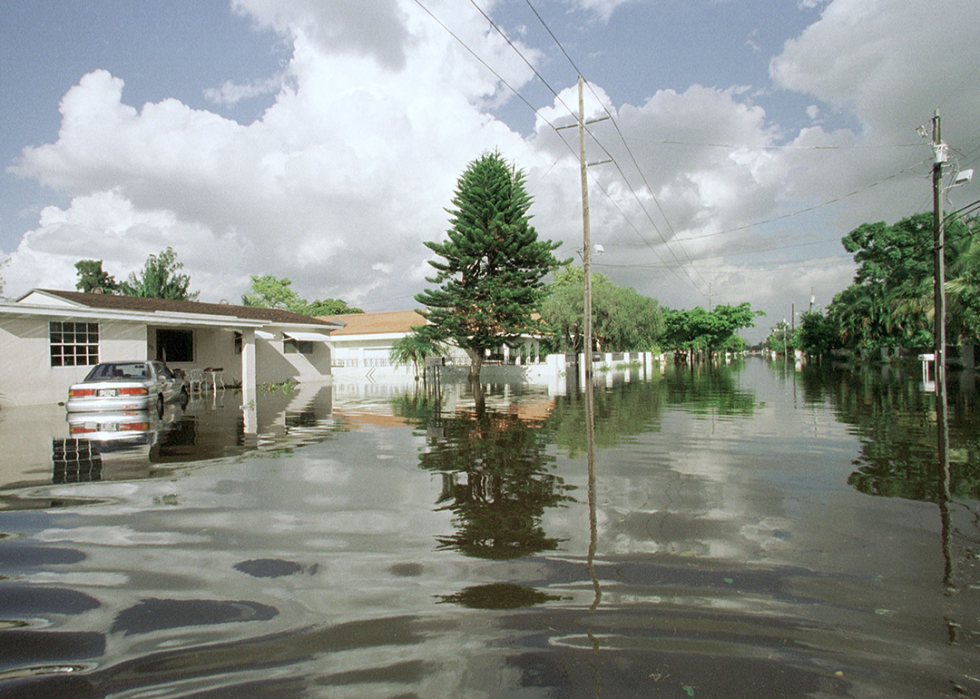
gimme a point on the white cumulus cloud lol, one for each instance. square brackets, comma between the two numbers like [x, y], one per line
[343, 177]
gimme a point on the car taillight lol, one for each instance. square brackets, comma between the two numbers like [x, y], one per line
[81, 392]
[133, 391]
[80, 430]
[134, 427]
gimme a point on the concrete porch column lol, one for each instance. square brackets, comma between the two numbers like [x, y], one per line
[249, 387]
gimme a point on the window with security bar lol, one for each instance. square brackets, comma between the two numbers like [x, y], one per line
[73, 344]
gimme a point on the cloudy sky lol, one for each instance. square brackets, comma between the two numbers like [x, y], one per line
[321, 140]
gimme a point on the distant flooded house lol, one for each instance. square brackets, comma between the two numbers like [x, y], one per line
[363, 347]
[50, 339]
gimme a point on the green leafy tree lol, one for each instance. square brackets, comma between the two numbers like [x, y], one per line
[563, 309]
[622, 319]
[268, 291]
[781, 338]
[329, 307]
[858, 312]
[697, 331]
[963, 287]
[91, 276]
[816, 334]
[492, 266]
[415, 347]
[890, 301]
[161, 278]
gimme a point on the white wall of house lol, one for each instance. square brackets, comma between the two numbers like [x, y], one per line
[215, 347]
[362, 351]
[274, 364]
[367, 355]
[26, 374]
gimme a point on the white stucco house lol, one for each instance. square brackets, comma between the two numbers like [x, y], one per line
[362, 347]
[50, 339]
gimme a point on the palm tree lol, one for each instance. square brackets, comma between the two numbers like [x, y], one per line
[911, 312]
[963, 291]
[415, 347]
[859, 311]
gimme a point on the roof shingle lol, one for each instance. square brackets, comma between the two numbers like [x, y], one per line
[377, 323]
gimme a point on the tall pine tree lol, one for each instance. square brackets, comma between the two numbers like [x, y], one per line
[492, 263]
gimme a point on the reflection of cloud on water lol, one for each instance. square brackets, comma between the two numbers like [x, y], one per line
[95, 579]
[117, 536]
[698, 486]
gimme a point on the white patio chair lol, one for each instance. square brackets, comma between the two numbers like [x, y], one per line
[214, 376]
[195, 380]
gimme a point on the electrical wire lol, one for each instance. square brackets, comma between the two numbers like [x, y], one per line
[620, 170]
[673, 242]
[523, 99]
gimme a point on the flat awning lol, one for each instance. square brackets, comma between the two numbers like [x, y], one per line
[265, 335]
[307, 337]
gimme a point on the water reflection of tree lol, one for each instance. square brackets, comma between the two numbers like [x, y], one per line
[495, 480]
[499, 596]
[709, 390]
[621, 412]
[416, 405]
[895, 420]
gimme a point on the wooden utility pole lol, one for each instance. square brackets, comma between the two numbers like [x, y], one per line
[939, 291]
[587, 329]
[586, 233]
[939, 259]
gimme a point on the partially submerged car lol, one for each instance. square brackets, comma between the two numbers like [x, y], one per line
[122, 386]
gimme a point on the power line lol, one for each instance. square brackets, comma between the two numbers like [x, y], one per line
[558, 98]
[807, 261]
[674, 241]
[632, 157]
[800, 212]
[611, 158]
[774, 146]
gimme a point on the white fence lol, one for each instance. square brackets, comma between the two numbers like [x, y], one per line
[554, 371]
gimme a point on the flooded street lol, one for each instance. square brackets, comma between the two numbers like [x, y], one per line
[758, 531]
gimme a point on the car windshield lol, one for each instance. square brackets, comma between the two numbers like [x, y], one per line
[119, 370]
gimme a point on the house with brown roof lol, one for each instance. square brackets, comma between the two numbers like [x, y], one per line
[50, 339]
[363, 345]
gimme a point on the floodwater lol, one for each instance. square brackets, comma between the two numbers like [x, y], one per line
[755, 531]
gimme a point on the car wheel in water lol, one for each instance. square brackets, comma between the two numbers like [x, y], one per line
[160, 405]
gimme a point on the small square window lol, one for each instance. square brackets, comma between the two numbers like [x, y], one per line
[73, 344]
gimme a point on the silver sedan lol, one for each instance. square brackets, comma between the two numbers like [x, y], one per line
[139, 385]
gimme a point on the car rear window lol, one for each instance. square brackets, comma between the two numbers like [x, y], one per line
[123, 370]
